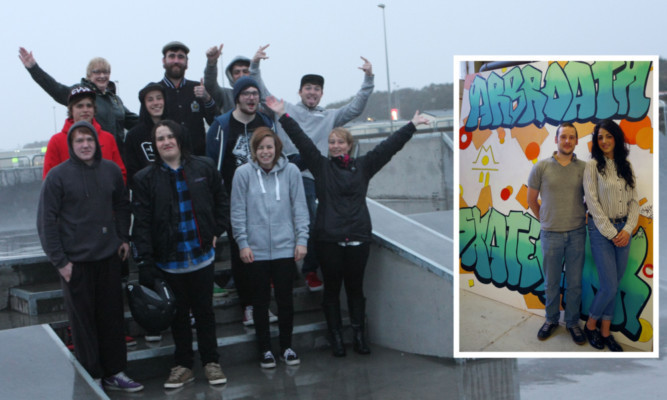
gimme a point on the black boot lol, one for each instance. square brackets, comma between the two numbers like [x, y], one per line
[358, 319]
[332, 314]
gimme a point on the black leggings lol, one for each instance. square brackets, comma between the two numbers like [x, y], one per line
[281, 272]
[342, 264]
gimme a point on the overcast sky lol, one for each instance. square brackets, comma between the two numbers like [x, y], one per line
[306, 37]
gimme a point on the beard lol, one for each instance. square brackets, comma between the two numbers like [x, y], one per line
[175, 71]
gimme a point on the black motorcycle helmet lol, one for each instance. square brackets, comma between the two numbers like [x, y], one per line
[152, 308]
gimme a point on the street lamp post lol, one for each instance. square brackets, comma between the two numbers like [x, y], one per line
[386, 56]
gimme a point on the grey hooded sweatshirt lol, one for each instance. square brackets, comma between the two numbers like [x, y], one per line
[268, 210]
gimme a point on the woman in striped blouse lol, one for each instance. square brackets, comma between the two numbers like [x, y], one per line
[611, 196]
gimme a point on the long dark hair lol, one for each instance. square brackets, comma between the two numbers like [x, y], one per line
[623, 167]
[181, 140]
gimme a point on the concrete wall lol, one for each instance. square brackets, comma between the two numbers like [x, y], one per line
[19, 193]
[422, 170]
[409, 308]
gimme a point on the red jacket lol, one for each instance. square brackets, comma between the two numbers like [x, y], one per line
[57, 150]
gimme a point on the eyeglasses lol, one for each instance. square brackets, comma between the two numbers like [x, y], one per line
[101, 71]
[250, 94]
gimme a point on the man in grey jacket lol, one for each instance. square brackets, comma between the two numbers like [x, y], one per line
[317, 122]
[238, 67]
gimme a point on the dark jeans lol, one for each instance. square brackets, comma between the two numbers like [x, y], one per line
[281, 271]
[310, 263]
[240, 273]
[94, 303]
[342, 264]
[194, 291]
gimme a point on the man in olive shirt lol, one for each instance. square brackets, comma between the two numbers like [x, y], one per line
[558, 180]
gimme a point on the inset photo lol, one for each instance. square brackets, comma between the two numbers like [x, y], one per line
[557, 196]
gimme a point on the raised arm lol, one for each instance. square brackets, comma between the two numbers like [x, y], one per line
[256, 74]
[354, 108]
[310, 155]
[211, 72]
[56, 90]
[383, 152]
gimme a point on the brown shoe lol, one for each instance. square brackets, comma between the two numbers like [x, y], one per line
[178, 377]
[214, 374]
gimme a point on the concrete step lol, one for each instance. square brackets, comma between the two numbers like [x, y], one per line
[37, 299]
[237, 343]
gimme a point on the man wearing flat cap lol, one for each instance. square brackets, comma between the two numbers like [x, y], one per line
[317, 122]
[186, 102]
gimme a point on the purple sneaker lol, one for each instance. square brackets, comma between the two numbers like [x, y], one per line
[122, 382]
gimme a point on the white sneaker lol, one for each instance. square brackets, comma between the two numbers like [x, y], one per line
[247, 316]
[268, 360]
[290, 357]
[153, 338]
[272, 317]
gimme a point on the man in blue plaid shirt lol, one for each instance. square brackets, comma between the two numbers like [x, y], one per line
[180, 209]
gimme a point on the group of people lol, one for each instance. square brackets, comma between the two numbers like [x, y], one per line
[296, 194]
[601, 194]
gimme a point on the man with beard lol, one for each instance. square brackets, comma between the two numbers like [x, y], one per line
[558, 180]
[238, 67]
[228, 144]
[186, 102]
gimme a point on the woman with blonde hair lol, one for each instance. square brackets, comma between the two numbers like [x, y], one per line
[343, 223]
[111, 114]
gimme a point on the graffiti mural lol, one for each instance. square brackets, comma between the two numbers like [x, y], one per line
[508, 122]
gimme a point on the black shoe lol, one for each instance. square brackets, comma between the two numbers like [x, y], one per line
[577, 335]
[594, 338]
[611, 343]
[359, 338]
[546, 330]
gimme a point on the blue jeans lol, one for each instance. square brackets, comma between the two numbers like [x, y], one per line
[610, 262]
[310, 263]
[558, 247]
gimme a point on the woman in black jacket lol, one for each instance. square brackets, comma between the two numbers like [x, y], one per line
[343, 223]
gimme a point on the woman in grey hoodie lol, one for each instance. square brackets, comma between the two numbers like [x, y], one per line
[270, 224]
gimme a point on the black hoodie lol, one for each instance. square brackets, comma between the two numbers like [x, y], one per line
[83, 212]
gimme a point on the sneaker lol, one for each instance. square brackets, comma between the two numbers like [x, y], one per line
[214, 374]
[149, 337]
[272, 317]
[313, 282]
[178, 377]
[290, 357]
[98, 382]
[230, 286]
[129, 341]
[577, 335]
[546, 330]
[122, 382]
[247, 316]
[219, 292]
[268, 360]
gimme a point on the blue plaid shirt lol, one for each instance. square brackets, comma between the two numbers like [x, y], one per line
[190, 255]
